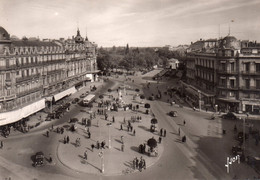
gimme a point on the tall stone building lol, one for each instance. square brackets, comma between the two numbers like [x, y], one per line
[224, 74]
[35, 73]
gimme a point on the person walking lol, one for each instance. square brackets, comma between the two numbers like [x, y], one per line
[122, 139]
[184, 122]
[113, 118]
[161, 131]
[164, 133]
[122, 147]
[179, 131]
[65, 140]
[86, 155]
[134, 163]
[134, 132]
[121, 127]
[89, 135]
[1, 145]
[47, 133]
[68, 139]
[92, 147]
[160, 139]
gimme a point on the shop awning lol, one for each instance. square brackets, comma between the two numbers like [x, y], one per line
[191, 91]
[16, 115]
[64, 93]
[33, 108]
[229, 100]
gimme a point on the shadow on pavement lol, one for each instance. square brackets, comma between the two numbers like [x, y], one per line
[144, 128]
[128, 164]
[135, 148]
[117, 148]
[117, 140]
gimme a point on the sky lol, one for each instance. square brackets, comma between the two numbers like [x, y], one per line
[142, 23]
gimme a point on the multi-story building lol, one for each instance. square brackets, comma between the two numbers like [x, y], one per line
[224, 74]
[34, 73]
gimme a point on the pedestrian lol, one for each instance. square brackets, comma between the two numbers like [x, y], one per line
[65, 140]
[68, 139]
[124, 120]
[121, 127]
[161, 131]
[134, 163]
[1, 145]
[113, 118]
[144, 164]
[184, 122]
[92, 147]
[122, 139]
[89, 135]
[128, 128]
[97, 123]
[160, 139]
[85, 155]
[184, 139]
[131, 128]
[122, 147]
[50, 159]
[140, 165]
[98, 145]
[52, 127]
[164, 133]
[134, 132]
[47, 133]
[179, 131]
[144, 147]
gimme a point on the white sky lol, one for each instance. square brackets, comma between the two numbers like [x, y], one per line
[136, 22]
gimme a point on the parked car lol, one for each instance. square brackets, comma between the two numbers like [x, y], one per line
[237, 150]
[83, 95]
[173, 113]
[39, 159]
[229, 115]
[75, 100]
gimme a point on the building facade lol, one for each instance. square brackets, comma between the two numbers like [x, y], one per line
[35, 73]
[224, 74]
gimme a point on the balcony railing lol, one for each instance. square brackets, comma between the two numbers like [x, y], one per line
[220, 71]
[250, 72]
[30, 91]
[21, 79]
[254, 88]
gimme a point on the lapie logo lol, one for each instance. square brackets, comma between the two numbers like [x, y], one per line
[232, 160]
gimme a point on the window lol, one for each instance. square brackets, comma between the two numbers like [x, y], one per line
[231, 94]
[223, 66]
[27, 60]
[247, 83]
[247, 67]
[232, 67]
[257, 67]
[257, 82]
[32, 71]
[17, 73]
[232, 83]
[8, 76]
[232, 53]
[222, 82]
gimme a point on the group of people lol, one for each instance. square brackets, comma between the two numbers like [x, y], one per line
[66, 139]
[139, 164]
[134, 118]
[163, 132]
[100, 145]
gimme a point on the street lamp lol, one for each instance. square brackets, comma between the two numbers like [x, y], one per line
[199, 99]
[109, 137]
[101, 155]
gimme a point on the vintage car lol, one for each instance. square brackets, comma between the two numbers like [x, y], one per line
[173, 113]
[39, 159]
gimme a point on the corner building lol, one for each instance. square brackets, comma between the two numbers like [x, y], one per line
[35, 74]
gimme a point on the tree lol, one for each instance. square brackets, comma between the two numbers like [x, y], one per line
[147, 106]
[152, 143]
[127, 49]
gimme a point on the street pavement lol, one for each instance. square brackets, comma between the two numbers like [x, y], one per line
[203, 156]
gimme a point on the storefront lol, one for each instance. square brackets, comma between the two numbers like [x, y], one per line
[16, 115]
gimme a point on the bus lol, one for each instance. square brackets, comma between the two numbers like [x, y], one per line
[88, 99]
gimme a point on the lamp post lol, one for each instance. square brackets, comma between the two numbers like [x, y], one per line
[109, 136]
[199, 99]
[101, 155]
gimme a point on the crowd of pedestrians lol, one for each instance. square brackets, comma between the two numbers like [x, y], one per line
[139, 164]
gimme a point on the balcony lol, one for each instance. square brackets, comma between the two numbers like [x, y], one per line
[30, 91]
[251, 73]
[22, 79]
[251, 88]
[220, 71]
[228, 87]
